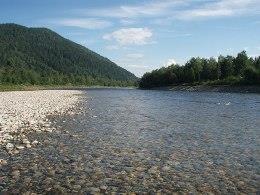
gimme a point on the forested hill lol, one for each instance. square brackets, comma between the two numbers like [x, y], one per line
[227, 70]
[41, 56]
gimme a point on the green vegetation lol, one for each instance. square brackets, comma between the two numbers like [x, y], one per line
[226, 70]
[39, 56]
[7, 87]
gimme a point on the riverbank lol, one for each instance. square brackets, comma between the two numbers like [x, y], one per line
[212, 88]
[22, 112]
[54, 87]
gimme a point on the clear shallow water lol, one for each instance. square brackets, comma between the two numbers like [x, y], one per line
[174, 140]
[149, 141]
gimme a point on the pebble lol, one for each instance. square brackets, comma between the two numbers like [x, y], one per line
[16, 174]
[25, 141]
[77, 187]
[152, 170]
[15, 152]
[9, 146]
[19, 147]
[94, 190]
[103, 188]
[26, 111]
[28, 146]
[109, 158]
[166, 168]
[35, 142]
[3, 162]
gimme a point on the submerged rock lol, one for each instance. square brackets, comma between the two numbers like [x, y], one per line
[35, 142]
[16, 174]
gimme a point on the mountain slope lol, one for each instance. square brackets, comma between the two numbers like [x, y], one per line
[41, 56]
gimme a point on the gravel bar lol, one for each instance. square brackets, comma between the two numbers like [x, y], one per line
[23, 112]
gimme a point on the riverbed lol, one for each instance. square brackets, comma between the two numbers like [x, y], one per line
[128, 140]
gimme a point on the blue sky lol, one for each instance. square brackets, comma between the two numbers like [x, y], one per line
[141, 35]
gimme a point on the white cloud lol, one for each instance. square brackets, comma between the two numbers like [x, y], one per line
[138, 66]
[127, 22]
[206, 13]
[112, 47]
[170, 62]
[135, 55]
[220, 8]
[165, 11]
[150, 9]
[136, 62]
[130, 36]
[87, 23]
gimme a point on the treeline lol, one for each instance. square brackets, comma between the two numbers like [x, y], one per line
[225, 70]
[41, 56]
[30, 77]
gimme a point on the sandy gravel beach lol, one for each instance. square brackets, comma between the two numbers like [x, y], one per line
[22, 112]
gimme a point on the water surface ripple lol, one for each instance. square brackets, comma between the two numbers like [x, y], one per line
[159, 141]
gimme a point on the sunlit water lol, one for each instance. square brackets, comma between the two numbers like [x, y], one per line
[127, 140]
[172, 140]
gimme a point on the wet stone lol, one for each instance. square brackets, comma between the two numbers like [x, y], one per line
[16, 174]
[127, 149]
[94, 190]
[103, 188]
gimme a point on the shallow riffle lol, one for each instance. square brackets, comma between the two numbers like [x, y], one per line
[143, 141]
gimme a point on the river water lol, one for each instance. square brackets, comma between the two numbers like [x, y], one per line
[128, 140]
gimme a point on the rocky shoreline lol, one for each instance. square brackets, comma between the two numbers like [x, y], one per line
[24, 112]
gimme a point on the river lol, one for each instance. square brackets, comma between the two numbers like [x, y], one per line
[154, 141]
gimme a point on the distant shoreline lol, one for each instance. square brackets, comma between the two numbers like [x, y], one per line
[190, 88]
[42, 87]
[212, 88]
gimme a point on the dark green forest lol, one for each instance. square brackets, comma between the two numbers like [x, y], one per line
[228, 70]
[39, 56]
